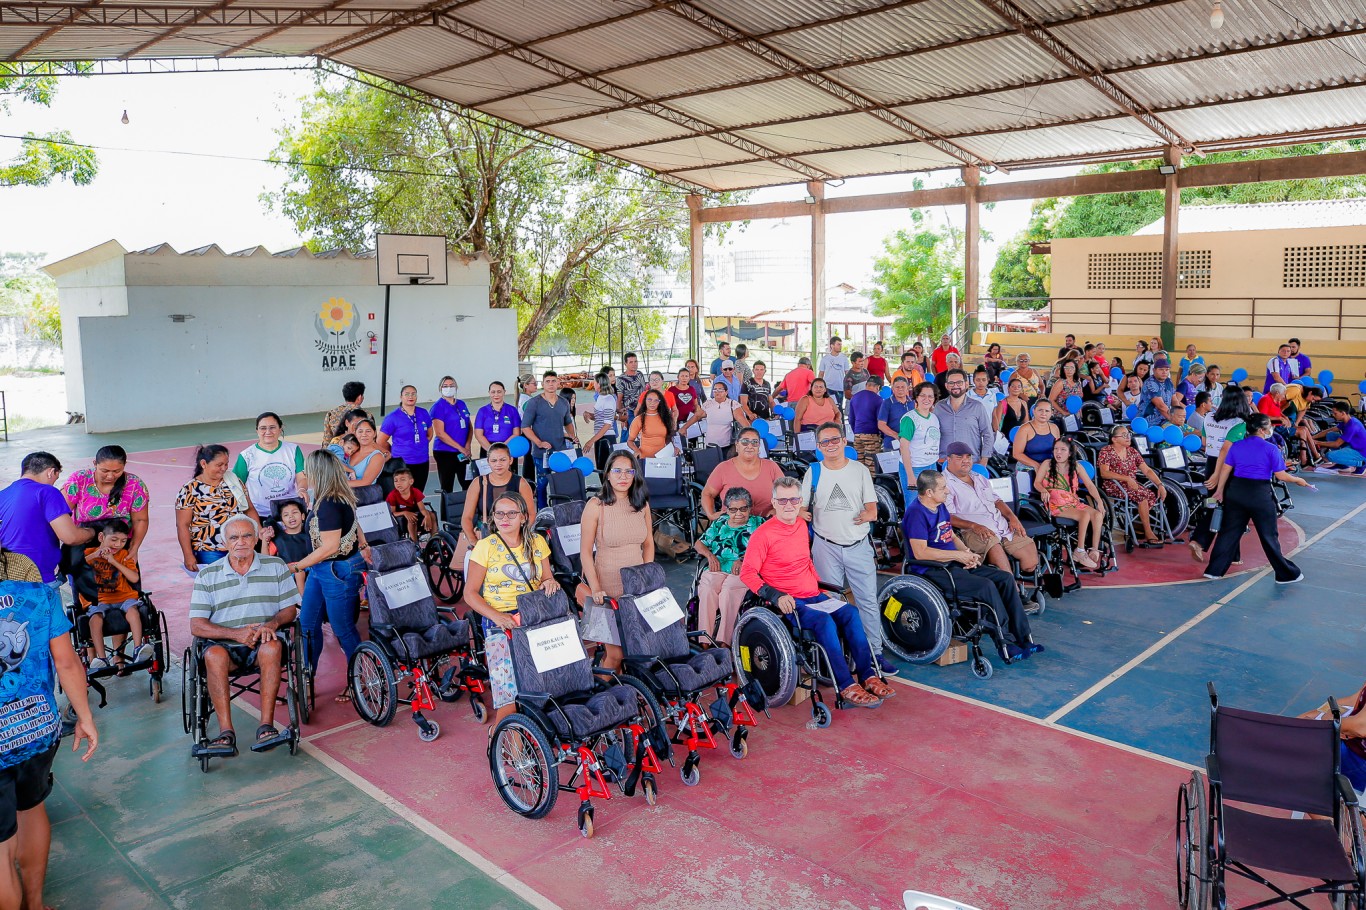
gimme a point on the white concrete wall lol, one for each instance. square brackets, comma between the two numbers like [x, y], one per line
[253, 344]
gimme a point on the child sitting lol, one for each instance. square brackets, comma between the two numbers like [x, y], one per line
[405, 502]
[115, 575]
[287, 538]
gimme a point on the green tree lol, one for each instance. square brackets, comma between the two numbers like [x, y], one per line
[47, 157]
[1123, 213]
[915, 277]
[31, 295]
[566, 232]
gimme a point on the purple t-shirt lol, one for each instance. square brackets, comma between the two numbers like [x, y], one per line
[408, 435]
[1255, 458]
[933, 528]
[863, 410]
[455, 420]
[498, 426]
[27, 510]
[1354, 434]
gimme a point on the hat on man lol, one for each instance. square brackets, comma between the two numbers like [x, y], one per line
[728, 364]
[1161, 362]
[959, 448]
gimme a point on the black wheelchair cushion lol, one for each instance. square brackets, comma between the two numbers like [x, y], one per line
[442, 638]
[566, 514]
[537, 610]
[116, 623]
[387, 557]
[669, 501]
[642, 579]
[1064, 522]
[700, 671]
[1036, 528]
[637, 638]
[603, 711]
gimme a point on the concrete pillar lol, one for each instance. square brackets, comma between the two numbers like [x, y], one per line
[696, 258]
[1171, 211]
[815, 190]
[972, 235]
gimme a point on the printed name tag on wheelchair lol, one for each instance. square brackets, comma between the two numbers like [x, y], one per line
[829, 605]
[1069, 423]
[888, 462]
[659, 468]
[404, 587]
[806, 442]
[478, 468]
[1003, 487]
[555, 646]
[660, 609]
[570, 537]
[374, 517]
[1174, 457]
[1107, 417]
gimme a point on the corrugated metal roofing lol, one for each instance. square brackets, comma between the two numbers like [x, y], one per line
[1269, 216]
[731, 94]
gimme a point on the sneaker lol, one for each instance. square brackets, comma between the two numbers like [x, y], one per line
[97, 665]
[1083, 559]
[144, 652]
[1291, 581]
[1035, 648]
[1012, 653]
[1213, 577]
[886, 666]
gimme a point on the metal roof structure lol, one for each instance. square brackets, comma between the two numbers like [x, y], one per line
[1266, 216]
[735, 94]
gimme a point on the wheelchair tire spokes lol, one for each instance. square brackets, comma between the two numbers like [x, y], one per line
[373, 684]
[524, 772]
[447, 583]
[1193, 879]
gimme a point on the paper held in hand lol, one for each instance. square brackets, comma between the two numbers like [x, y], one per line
[659, 609]
[374, 518]
[403, 587]
[555, 646]
[571, 537]
[829, 605]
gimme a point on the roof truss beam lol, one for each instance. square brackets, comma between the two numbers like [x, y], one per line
[171, 16]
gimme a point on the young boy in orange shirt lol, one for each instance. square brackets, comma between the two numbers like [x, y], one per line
[115, 575]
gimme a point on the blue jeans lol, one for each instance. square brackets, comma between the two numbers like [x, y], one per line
[540, 458]
[829, 629]
[332, 590]
[1346, 457]
[209, 557]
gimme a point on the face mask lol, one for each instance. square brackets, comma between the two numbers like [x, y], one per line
[448, 392]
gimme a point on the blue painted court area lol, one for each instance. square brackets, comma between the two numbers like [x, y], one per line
[1130, 664]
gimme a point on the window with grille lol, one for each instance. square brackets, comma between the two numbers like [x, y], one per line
[1327, 266]
[1143, 271]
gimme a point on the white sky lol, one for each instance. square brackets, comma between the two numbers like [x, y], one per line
[144, 196]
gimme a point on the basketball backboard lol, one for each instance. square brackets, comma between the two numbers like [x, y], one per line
[411, 258]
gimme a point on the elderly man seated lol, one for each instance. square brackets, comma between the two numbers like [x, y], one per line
[778, 567]
[982, 519]
[930, 539]
[237, 609]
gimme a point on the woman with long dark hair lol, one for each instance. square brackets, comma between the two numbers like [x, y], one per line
[108, 490]
[617, 521]
[1059, 480]
[211, 497]
[652, 432]
[407, 434]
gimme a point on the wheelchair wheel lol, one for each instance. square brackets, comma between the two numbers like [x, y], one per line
[763, 650]
[447, 583]
[523, 770]
[915, 619]
[293, 697]
[373, 684]
[298, 669]
[981, 667]
[189, 692]
[1177, 508]
[154, 689]
[1193, 878]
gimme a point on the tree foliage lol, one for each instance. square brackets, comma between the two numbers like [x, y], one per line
[915, 277]
[1018, 274]
[31, 295]
[46, 157]
[566, 232]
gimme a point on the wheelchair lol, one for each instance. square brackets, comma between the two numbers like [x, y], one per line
[116, 624]
[677, 670]
[604, 727]
[561, 524]
[1055, 550]
[1170, 518]
[448, 584]
[672, 498]
[1273, 763]
[196, 707]
[434, 655]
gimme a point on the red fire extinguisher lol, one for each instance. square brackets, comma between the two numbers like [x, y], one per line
[374, 343]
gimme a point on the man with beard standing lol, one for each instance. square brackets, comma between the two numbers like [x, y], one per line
[963, 420]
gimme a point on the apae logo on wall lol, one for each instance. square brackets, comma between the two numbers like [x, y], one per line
[336, 327]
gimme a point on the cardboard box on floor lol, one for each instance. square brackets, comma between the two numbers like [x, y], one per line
[955, 653]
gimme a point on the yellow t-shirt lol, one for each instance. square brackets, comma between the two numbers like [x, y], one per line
[507, 579]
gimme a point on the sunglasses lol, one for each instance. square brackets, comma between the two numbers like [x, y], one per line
[749, 442]
[831, 441]
[793, 501]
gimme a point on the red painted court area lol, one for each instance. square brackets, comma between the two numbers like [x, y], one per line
[1172, 564]
[928, 792]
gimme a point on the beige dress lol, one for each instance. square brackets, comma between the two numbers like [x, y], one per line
[620, 542]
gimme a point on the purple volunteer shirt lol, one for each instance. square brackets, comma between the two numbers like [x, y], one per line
[1354, 434]
[863, 411]
[27, 510]
[499, 425]
[408, 434]
[1255, 458]
[455, 420]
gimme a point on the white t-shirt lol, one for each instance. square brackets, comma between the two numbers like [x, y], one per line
[987, 401]
[840, 497]
[923, 433]
[833, 367]
[719, 417]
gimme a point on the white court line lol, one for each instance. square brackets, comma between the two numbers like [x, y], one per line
[320, 734]
[1191, 623]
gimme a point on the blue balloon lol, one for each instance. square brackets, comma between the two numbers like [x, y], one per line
[1361, 387]
[1089, 469]
[761, 425]
[1139, 424]
[1191, 443]
[982, 469]
[1155, 435]
[1327, 390]
[1326, 376]
[1239, 374]
[520, 445]
[1190, 409]
[1000, 396]
[1256, 397]
[1013, 431]
[770, 440]
[1073, 404]
[1131, 411]
[1303, 380]
[1172, 436]
[851, 453]
[560, 461]
[1007, 373]
[584, 465]
[1116, 374]
[885, 391]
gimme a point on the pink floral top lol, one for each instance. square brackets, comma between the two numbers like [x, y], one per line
[89, 504]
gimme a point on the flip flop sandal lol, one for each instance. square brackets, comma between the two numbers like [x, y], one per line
[224, 745]
[268, 737]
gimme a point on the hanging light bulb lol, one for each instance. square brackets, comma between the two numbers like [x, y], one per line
[124, 118]
[1216, 15]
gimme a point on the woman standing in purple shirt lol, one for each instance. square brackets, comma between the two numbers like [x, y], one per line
[406, 434]
[453, 430]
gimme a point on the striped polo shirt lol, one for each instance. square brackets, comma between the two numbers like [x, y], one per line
[225, 598]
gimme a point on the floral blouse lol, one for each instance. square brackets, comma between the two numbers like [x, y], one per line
[89, 504]
[209, 507]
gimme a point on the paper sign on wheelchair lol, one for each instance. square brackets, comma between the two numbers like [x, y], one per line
[694, 431]
[660, 609]
[1069, 423]
[807, 441]
[570, 537]
[1107, 417]
[374, 518]
[1003, 488]
[1173, 457]
[829, 605]
[483, 465]
[888, 462]
[555, 646]
[404, 587]
[659, 468]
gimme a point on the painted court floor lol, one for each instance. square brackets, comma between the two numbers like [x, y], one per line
[1050, 785]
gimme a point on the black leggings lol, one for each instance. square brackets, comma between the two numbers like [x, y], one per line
[1252, 500]
[452, 468]
[420, 474]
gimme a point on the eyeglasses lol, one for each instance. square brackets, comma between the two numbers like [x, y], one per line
[737, 510]
[506, 516]
[793, 501]
[956, 384]
[830, 441]
[623, 472]
[727, 369]
[749, 442]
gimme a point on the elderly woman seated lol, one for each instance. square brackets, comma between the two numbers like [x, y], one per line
[1120, 465]
[720, 590]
